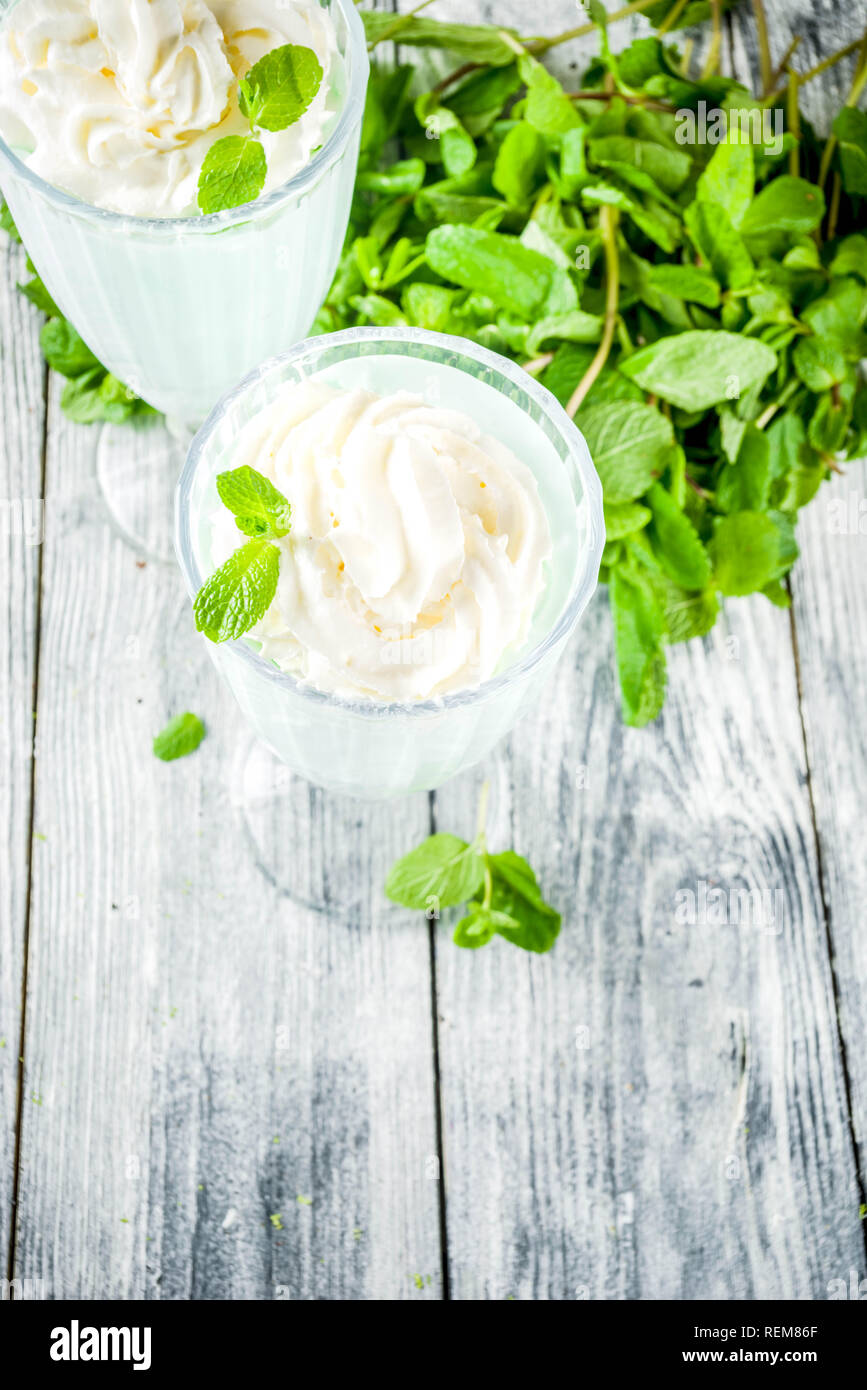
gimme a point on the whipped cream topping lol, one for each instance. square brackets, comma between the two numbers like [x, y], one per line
[417, 547]
[119, 101]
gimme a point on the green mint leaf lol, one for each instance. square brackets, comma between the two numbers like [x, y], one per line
[698, 369]
[65, 350]
[630, 445]
[639, 629]
[748, 550]
[259, 509]
[35, 291]
[720, 244]
[689, 282]
[659, 225]
[850, 128]
[476, 43]
[745, 482]
[517, 910]
[455, 146]
[406, 176]
[479, 926]
[441, 872]
[182, 735]
[687, 615]
[81, 401]
[676, 541]
[519, 162]
[428, 306]
[98, 396]
[239, 593]
[6, 222]
[728, 180]
[575, 327]
[668, 168]
[786, 204]
[517, 279]
[548, 108]
[621, 519]
[278, 89]
[233, 173]
[479, 101]
[850, 257]
[819, 364]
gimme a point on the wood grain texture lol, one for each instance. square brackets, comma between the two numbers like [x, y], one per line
[830, 611]
[656, 1109]
[22, 413]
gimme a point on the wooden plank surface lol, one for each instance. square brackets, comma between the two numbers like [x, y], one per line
[830, 613]
[231, 1078]
[22, 414]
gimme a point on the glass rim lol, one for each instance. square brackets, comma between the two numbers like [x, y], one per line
[319, 164]
[583, 585]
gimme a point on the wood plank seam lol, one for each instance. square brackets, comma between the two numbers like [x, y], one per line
[34, 705]
[828, 936]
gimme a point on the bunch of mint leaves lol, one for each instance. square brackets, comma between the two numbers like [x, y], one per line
[697, 307]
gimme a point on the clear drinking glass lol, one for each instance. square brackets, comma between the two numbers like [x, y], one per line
[180, 308]
[376, 749]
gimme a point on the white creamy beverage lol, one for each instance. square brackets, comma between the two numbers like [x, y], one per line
[109, 110]
[418, 543]
[119, 101]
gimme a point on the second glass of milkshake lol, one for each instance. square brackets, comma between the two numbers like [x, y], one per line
[444, 539]
[106, 113]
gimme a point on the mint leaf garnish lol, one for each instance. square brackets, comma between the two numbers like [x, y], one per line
[501, 892]
[233, 173]
[182, 735]
[258, 507]
[274, 94]
[242, 590]
[442, 867]
[239, 593]
[279, 88]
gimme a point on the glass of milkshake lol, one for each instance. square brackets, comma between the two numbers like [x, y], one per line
[445, 537]
[107, 111]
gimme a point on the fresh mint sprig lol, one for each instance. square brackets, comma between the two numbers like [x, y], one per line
[259, 508]
[501, 892]
[273, 95]
[242, 590]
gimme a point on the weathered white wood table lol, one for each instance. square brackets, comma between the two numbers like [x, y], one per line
[230, 1069]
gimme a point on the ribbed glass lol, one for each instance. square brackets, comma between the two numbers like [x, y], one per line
[380, 749]
[181, 308]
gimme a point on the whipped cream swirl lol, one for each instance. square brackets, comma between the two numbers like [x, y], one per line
[418, 544]
[118, 101]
